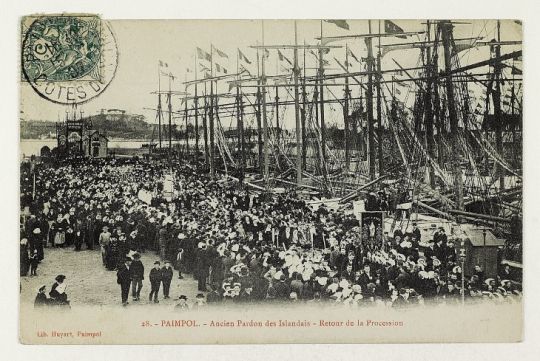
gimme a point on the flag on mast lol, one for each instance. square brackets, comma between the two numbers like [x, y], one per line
[352, 55]
[201, 54]
[283, 57]
[391, 28]
[221, 53]
[220, 69]
[242, 57]
[339, 23]
[163, 64]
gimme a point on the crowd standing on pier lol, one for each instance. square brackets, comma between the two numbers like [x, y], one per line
[241, 246]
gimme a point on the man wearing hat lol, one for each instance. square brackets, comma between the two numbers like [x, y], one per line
[137, 276]
[155, 281]
[182, 304]
[166, 278]
[123, 278]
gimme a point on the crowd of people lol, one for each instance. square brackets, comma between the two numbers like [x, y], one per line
[240, 245]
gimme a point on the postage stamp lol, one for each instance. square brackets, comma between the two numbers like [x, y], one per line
[67, 59]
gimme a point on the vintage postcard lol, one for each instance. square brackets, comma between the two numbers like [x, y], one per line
[270, 181]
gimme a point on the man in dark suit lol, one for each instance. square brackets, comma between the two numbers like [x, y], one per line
[166, 278]
[123, 278]
[202, 266]
[137, 276]
[155, 281]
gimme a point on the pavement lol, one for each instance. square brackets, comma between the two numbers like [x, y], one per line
[89, 283]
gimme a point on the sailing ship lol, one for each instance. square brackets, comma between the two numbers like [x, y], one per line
[445, 134]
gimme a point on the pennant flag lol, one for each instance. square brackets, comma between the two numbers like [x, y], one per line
[242, 57]
[232, 85]
[201, 54]
[207, 75]
[352, 55]
[283, 57]
[163, 64]
[391, 28]
[220, 69]
[266, 53]
[519, 22]
[339, 23]
[220, 53]
[516, 71]
[169, 74]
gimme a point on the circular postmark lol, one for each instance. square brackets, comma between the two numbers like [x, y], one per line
[68, 59]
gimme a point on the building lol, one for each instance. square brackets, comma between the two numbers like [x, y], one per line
[95, 144]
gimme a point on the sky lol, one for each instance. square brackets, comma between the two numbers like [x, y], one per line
[143, 43]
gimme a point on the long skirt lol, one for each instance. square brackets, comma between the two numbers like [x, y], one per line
[59, 238]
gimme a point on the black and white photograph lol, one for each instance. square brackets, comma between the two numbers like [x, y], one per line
[233, 181]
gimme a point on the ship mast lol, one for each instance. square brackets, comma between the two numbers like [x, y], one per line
[323, 125]
[446, 27]
[497, 107]
[159, 107]
[379, 110]
[369, 105]
[346, 112]
[430, 141]
[196, 110]
[265, 120]
[299, 143]
[211, 113]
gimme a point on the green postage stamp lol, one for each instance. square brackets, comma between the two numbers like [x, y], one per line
[67, 59]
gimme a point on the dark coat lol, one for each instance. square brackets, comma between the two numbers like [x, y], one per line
[155, 275]
[282, 290]
[167, 274]
[137, 270]
[41, 300]
[123, 275]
